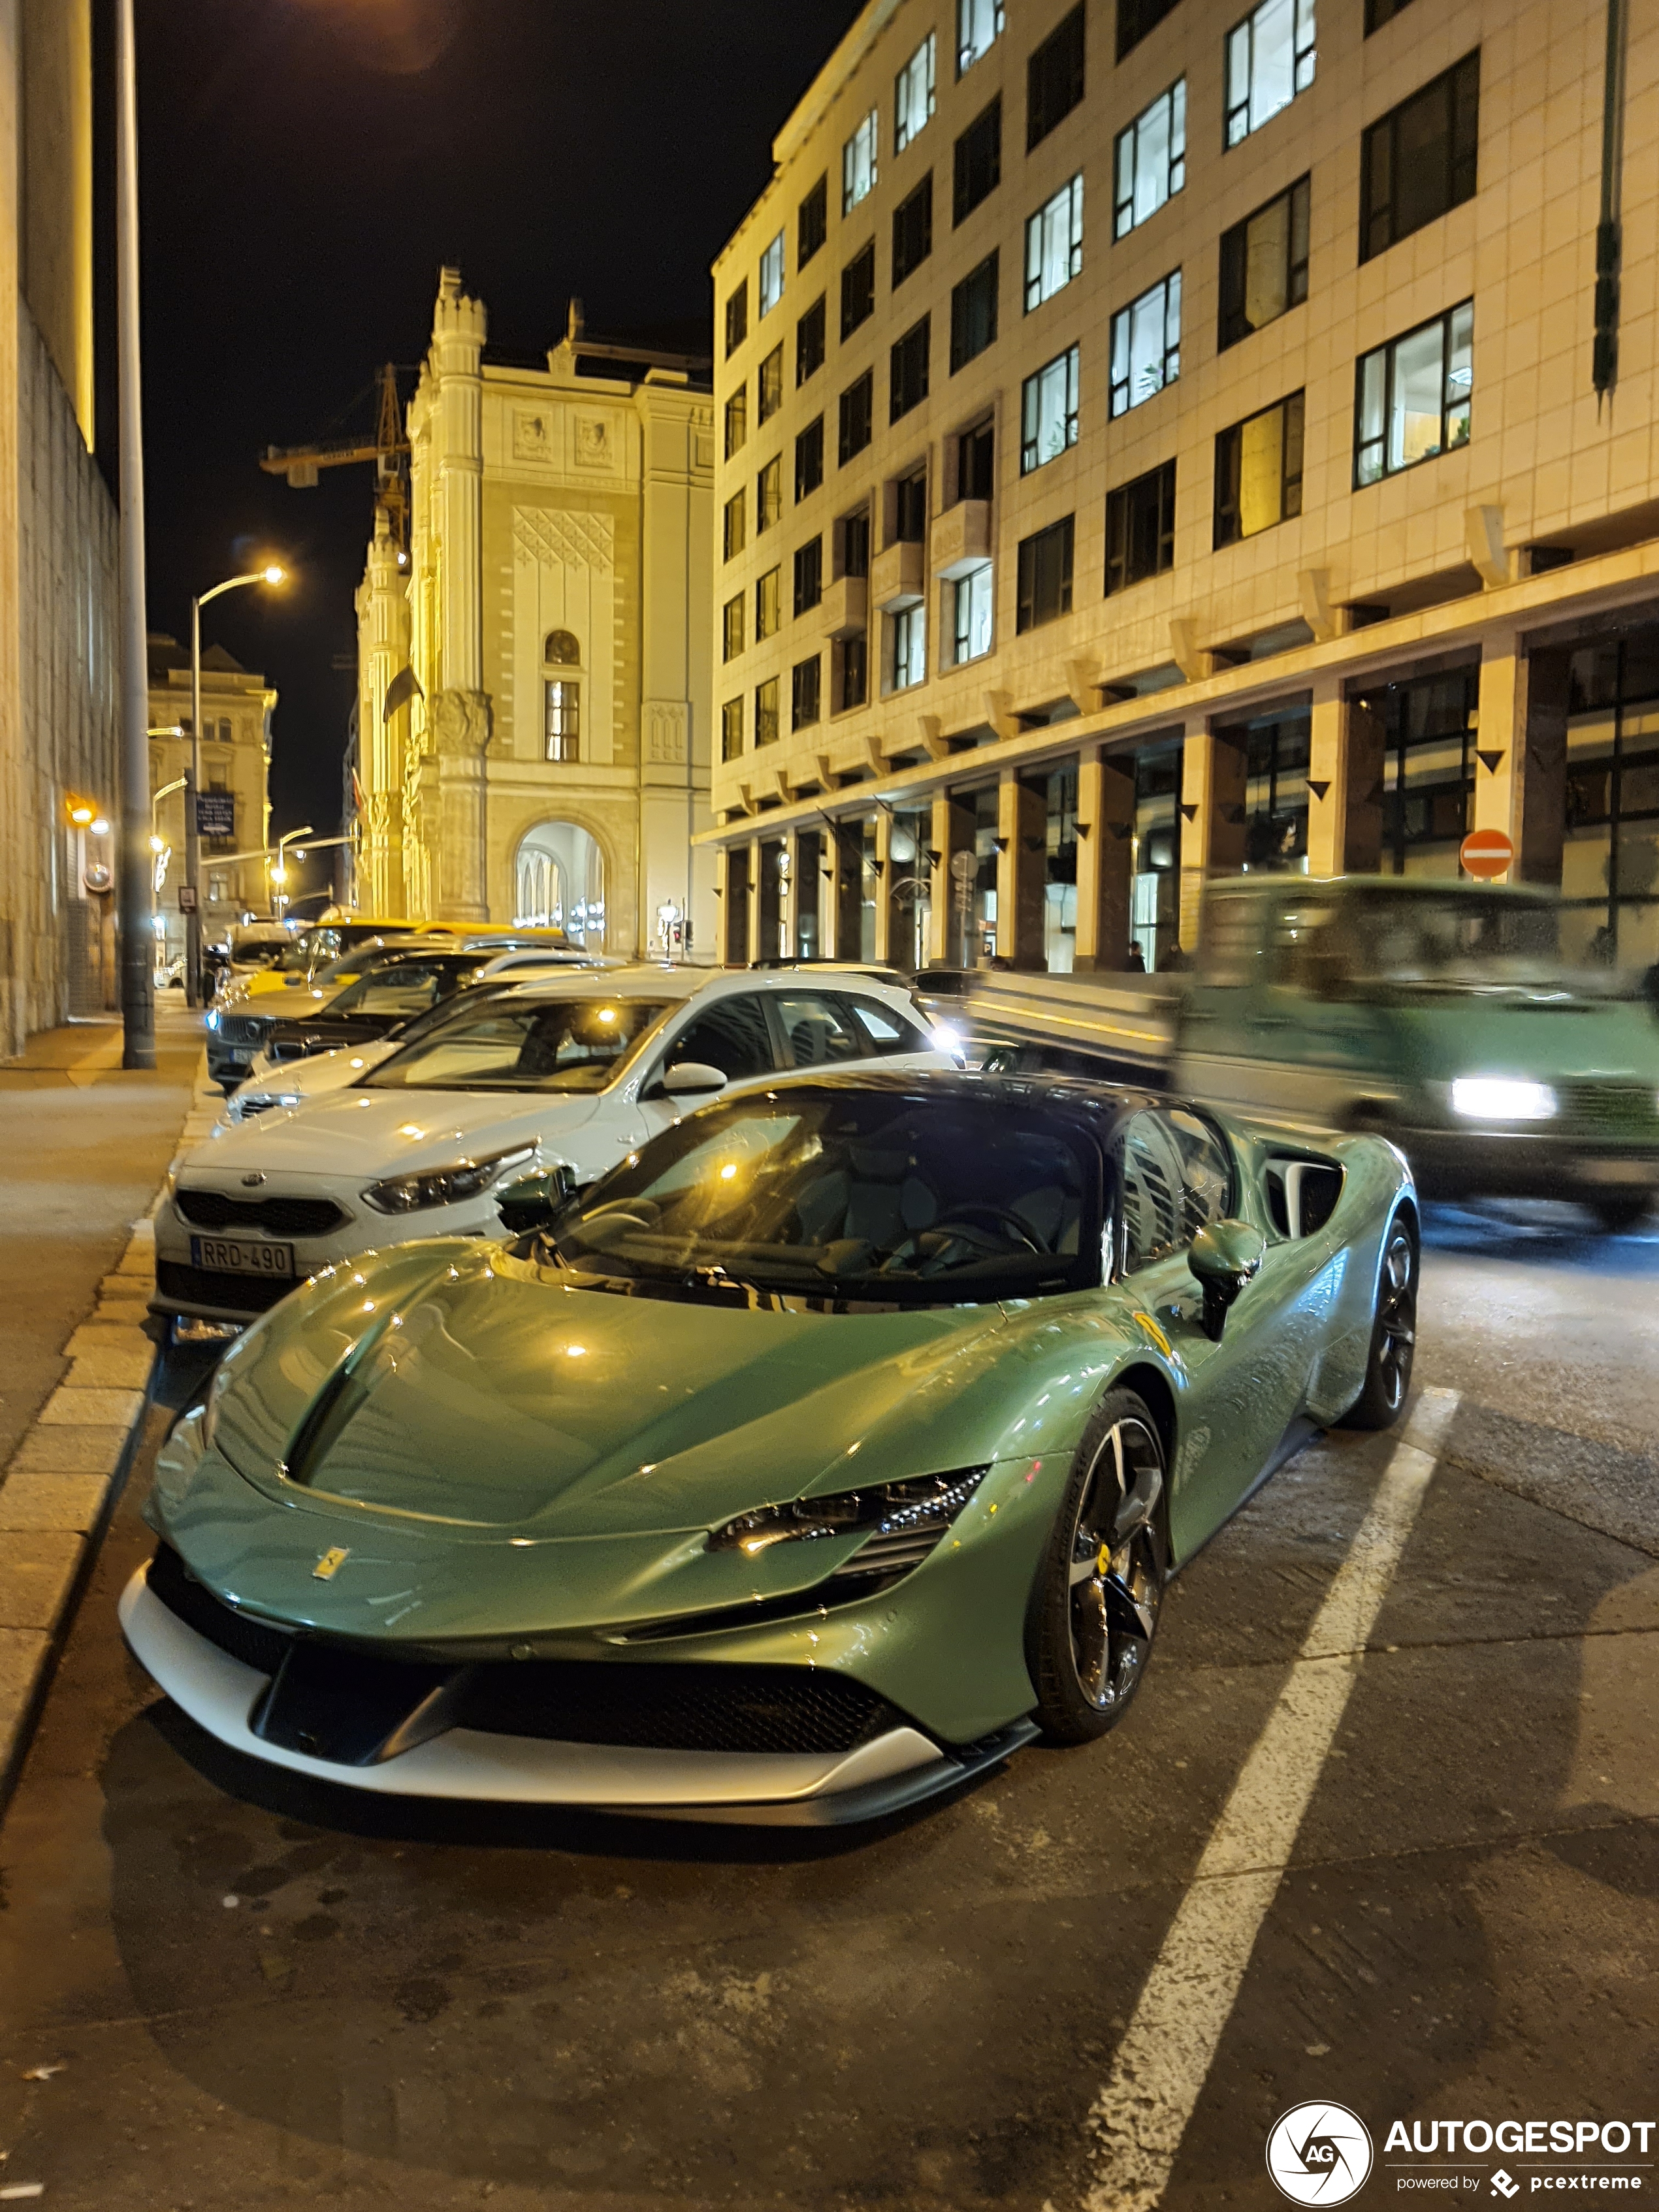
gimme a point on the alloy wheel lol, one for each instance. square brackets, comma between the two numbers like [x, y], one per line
[1115, 1588]
[1396, 1320]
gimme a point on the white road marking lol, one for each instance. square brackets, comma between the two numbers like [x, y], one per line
[1140, 2116]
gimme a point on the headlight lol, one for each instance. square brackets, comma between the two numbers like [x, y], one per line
[443, 1186]
[945, 1039]
[213, 1021]
[1501, 1098]
[901, 1521]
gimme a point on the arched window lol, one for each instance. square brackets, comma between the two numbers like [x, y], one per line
[562, 650]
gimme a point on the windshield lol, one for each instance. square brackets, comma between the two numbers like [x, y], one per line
[1463, 940]
[264, 952]
[572, 1044]
[400, 988]
[844, 1195]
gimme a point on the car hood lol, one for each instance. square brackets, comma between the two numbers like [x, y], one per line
[351, 1132]
[470, 1425]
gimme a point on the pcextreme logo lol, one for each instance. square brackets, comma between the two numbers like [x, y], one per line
[1319, 2153]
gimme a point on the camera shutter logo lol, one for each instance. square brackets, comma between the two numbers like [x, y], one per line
[1319, 2153]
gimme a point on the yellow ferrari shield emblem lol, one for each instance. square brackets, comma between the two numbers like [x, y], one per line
[331, 1564]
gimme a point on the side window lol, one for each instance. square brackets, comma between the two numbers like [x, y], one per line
[731, 1035]
[398, 990]
[1151, 1194]
[1304, 950]
[818, 1034]
[1177, 1179]
[886, 1029]
[1228, 944]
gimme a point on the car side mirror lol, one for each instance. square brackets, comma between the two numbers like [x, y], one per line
[690, 1078]
[1225, 1257]
[536, 1202]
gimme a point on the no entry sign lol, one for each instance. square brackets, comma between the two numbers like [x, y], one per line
[1485, 853]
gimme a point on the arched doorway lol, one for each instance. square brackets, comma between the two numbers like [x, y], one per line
[559, 882]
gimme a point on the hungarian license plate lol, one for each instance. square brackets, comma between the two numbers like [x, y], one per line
[236, 1255]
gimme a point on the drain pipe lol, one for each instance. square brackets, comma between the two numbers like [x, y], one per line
[1605, 357]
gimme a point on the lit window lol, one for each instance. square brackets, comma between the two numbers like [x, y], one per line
[1258, 472]
[766, 712]
[912, 95]
[767, 605]
[768, 494]
[1054, 244]
[564, 718]
[858, 163]
[1152, 160]
[1048, 412]
[1264, 265]
[1146, 345]
[731, 729]
[1412, 396]
[909, 647]
[771, 384]
[771, 275]
[979, 26]
[732, 629]
[972, 611]
[1270, 58]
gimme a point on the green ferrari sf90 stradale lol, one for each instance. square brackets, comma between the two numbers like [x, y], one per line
[838, 1442]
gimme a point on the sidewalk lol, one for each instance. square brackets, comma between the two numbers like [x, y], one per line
[83, 1146]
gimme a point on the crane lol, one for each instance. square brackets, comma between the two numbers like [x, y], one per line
[389, 452]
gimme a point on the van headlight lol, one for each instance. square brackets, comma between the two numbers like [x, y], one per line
[1502, 1099]
[412, 1194]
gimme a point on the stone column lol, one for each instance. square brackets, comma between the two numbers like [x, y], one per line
[1501, 739]
[953, 833]
[460, 723]
[1105, 858]
[382, 655]
[1022, 840]
[884, 884]
[843, 856]
[1212, 774]
[1344, 783]
[460, 713]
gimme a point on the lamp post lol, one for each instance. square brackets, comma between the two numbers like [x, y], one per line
[279, 869]
[137, 943]
[193, 792]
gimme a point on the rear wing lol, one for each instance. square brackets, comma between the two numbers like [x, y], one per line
[1126, 1023]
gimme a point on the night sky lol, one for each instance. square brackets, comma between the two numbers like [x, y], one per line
[308, 166]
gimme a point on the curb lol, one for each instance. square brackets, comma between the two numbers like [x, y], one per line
[62, 1481]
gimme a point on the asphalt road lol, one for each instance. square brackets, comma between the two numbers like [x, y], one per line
[222, 1990]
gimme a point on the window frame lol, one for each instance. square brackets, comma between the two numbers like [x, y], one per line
[1069, 363]
[731, 731]
[1123, 323]
[968, 15]
[962, 299]
[866, 254]
[736, 418]
[919, 331]
[734, 628]
[564, 710]
[1305, 59]
[1459, 90]
[913, 232]
[771, 278]
[737, 317]
[811, 328]
[1288, 478]
[984, 573]
[812, 222]
[808, 454]
[1386, 352]
[764, 707]
[864, 141]
[1072, 192]
[1042, 118]
[1294, 269]
[769, 496]
[905, 133]
[807, 699]
[847, 448]
[808, 578]
[768, 587]
[1174, 97]
[735, 523]
[768, 386]
[973, 179]
[910, 624]
[1121, 532]
[1027, 614]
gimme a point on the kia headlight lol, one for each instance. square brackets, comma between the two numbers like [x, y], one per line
[1502, 1099]
[900, 1522]
[413, 1193]
[213, 1020]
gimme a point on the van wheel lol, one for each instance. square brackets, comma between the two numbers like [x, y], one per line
[1394, 1337]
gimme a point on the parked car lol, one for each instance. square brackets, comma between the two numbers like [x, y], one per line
[821, 1457]
[239, 1022]
[573, 1071]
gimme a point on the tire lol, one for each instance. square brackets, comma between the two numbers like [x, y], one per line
[1094, 1612]
[1394, 1336]
[1616, 1215]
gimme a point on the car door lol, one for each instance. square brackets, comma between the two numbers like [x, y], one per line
[1178, 1174]
[892, 1036]
[732, 1033]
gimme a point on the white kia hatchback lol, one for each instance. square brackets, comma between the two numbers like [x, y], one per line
[574, 1071]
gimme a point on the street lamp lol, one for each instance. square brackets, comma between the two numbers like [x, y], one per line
[279, 866]
[272, 575]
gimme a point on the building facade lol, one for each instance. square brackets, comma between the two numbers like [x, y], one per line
[1158, 441]
[532, 724]
[236, 710]
[59, 754]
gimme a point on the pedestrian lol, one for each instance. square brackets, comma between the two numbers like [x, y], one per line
[1136, 963]
[1175, 961]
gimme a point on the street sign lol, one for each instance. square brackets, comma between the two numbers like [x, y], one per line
[962, 865]
[215, 814]
[186, 898]
[1485, 853]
